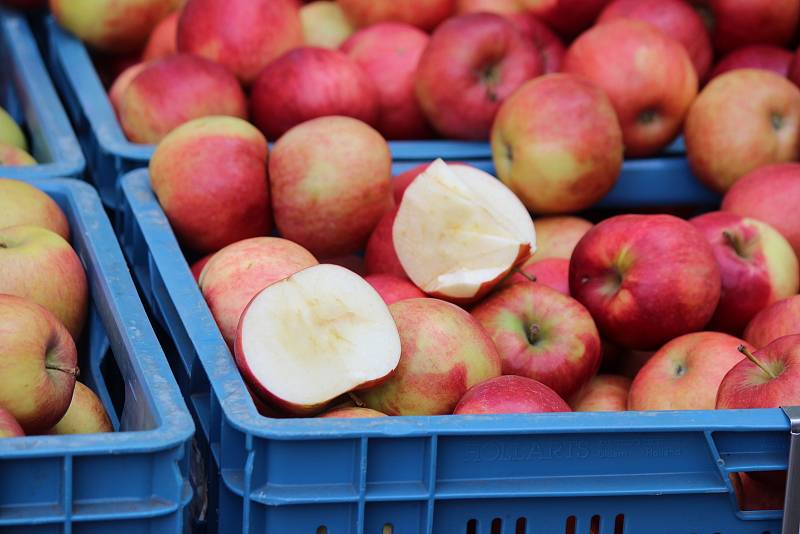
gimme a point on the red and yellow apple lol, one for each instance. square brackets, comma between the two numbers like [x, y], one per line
[163, 40]
[510, 394]
[780, 319]
[21, 203]
[85, 415]
[603, 393]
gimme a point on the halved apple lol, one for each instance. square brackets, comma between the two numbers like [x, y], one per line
[315, 335]
[459, 230]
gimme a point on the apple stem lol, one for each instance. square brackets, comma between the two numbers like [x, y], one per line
[358, 402]
[530, 277]
[756, 361]
[733, 242]
[74, 371]
[533, 333]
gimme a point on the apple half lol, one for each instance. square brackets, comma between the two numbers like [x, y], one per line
[315, 335]
[459, 230]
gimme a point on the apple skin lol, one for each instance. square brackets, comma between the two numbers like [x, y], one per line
[352, 412]
[393, 289]
[324, 24]
[651, 81]
[401, 182]
[237, 272]
[645, 279]
[542, 334]
[757, 265]
[742, 120]
[779, 319]
[10, 132]
[12, 156]
[40, 265]
[771, 194]
[264, 29]
[747, 386]
[85, 415]
[163, 40]
[471, 65]
[543, 38]
[171, 91]
[553, 165]
[675, 18]
[121, 83]
[352, 262]
[380, 257]
[39, 362]
[766, 57]
[112, 25]
[210, 176]
[756, 494]
[306, 83]
[9, 428]
[389, 53]
[550, 272]
[23, 204]
[567, 17]
[603, 393]
[556, 236]
[198, 266]
[685, 373]
[501, 7]
[444, 352]
[510, 394]
[424, 14]
[330, 184]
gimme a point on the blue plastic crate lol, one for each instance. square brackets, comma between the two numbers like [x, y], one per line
[27, 93]
[136, 479]
[662, 472]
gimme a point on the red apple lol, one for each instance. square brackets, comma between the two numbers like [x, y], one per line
[307, 83]
[675, 18]
[163, 40]
[603, 393]
[389, 53]
[757, 494]
[210, 176]
[242, 35]
[198, 266]
[766, 57]
[380, 257]
[501, 7]
[21, 203]
[685, 373]
[9, 428]
[353, 262]
[651, 81]
[557, 236]
[85, 415]
[548, 43]
[551, 272]
[556, 165]
[780, 319]
[757, 265]
[392, 288]
[794, 69]
[424, 14]
[645, 279]
[352, 412]
[471, 65]
[567, 17]
[510, 394]
[121, 83]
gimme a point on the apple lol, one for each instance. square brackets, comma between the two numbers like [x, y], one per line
[38, 362]
[631, 362]
[543, 335]
[389, 53]
[352, 412]
[685, 373]
[501, 7]
[11, 156]
[112, 25]
[240, 270]
[766, 378]
[645, 279]
[675, 18]
[556, 236]
[324, 24]
[40, 265]
[794, 69]
[567, 17]
[757, 265]
[380, 257]
[401, 182]
[510, 394]
[603, 393]
[458, 233]
[651, 81]
[424, 14]
[742, 120]
[210, 176]
[353, 262]
[10, 132]
[779, 319]
[171, 91]
[766, 57]
[198, 266]
[756, 494]
[163, 40]
[85, 415]
[243, 35]
[121, 83]
[9, 428]
[550, 272]
[319, 333]
[330, 185]
[21, 203]
[471, 65]
[307, 83]
[392, 288]
[771, 194]
[546, 42]
[444, 353]
[556, 165]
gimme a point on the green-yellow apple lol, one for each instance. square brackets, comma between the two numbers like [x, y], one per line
[11, 156]
[685, 373]
[330, 184]
[40, 265]
[9, 428]
[645, 279]
[766, 57]
[324, 24]
[510, 394]
[10, 132]
[424, 14]
[780, 319]
[393, 288]
[236, 273]
[742, 120]
[352, 412]
[757, 265]
[603, 393]
[85, 415]
[210, 176]
[445, 351]
[163, 40]
[38, 363]
[21, 203]
[556, 165]
[737, 23]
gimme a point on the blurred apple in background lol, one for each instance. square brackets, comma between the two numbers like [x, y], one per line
[424, 14]
[352, 412]
[9, 428]
[324, 24]
[163, 40]
[780, 319]
[543, 38]
[10, 132]
[556, 236]
[393, 288]
[23, 204]
[567, 17]
[501, 7]
[85, 415]
[11, 156]
[756, 494]
[766, 57]
[603, 393]
[121, 83]
[510, 394]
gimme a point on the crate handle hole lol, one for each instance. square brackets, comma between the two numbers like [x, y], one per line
[388, 528]
[569, 528]
[594, 527]
[619, 524]
[521, 524]
[322, 529]
[472, 526]
[497, 525]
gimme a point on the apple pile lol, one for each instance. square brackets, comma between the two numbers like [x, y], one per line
[43, 306]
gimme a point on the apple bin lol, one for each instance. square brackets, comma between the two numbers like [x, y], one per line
[662, 472]
[134, 479]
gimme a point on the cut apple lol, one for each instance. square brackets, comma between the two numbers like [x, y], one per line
[459, 230]
[315, 335]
